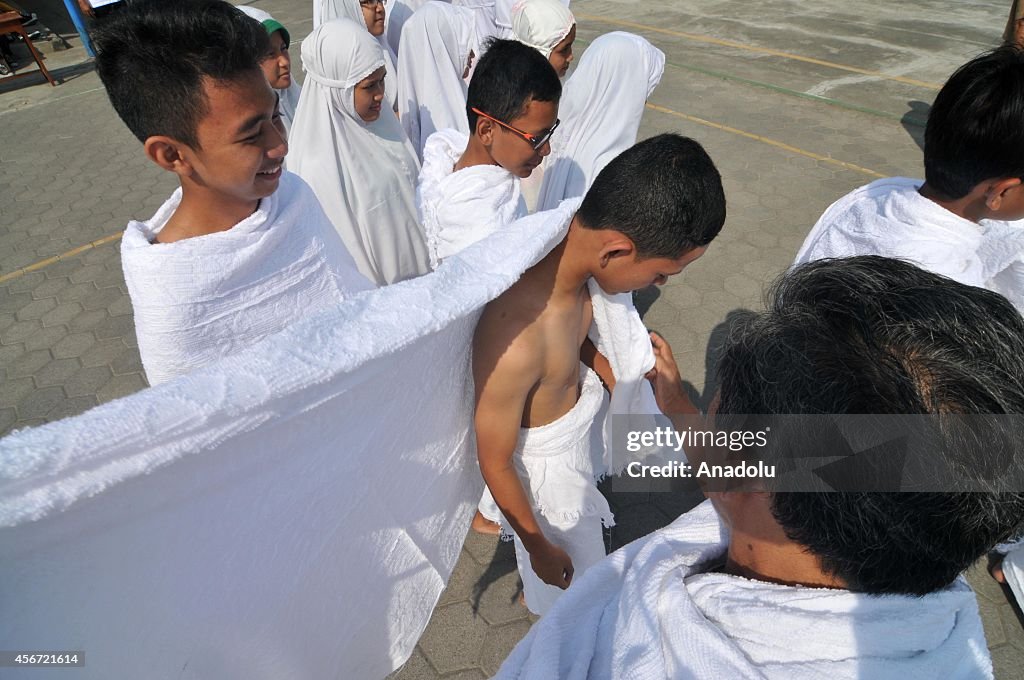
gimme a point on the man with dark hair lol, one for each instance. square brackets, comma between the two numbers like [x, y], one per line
[956, 222]
[652, 211]
[470, 185]
[756, 584]
[242, 248]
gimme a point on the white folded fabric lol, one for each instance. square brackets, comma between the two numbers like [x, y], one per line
[890, 218]
[203, 298]
[460, 208]
[293, 511]
[652, 611]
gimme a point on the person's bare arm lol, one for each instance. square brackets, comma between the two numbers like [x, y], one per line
[504, 373]
[592, 358]
[668, 385]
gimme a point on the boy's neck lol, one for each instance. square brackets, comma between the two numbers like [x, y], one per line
[971, 207]
[564, 266]
[475, 154]
[202, 212]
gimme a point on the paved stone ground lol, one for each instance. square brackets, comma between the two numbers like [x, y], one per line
[797, 102]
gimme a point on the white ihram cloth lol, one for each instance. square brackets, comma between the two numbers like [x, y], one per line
[436, 43]
[648, 611]
[555, 465]
[889, 217]
[325, 10]
[289, 96]
[541, 24]
[460, 208]
[601, 109]
[207, 297]
[363, 173]
[293, 511]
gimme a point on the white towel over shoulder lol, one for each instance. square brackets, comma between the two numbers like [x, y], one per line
[460, 208]
[207, 297]
[889, 217]
[649, 611]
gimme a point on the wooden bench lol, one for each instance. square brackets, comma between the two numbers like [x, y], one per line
[10, 22]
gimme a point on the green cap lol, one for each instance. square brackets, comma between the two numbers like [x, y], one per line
[274, 25]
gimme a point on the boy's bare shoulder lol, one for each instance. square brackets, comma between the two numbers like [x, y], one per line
[506, 335]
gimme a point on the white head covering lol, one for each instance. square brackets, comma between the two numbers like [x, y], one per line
[290, 95]
[364, 174]
[483, 10]
[541, 24]
[435, 49]
[325, 10]
[601, 107]
[399, 12]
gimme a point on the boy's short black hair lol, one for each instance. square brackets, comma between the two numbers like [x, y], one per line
[974, 129]
[153, 56]
[506, 78]
[877, 335]
[664, 193]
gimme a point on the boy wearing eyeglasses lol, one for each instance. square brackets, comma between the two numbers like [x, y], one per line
[469, 184]
[651, 212]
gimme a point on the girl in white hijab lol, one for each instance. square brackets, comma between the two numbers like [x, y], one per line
[353, 153]
[436, 49]
[547, 26]
[371, 14]
[277, 67]
[601, 108]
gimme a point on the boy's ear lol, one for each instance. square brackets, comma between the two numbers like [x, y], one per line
[485, 130]
[997, 191]
[167, 153]
[615, 246]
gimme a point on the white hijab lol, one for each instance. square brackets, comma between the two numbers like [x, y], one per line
[601, 108]
[431, 92]
[541, 24]
[363, 173]
[484, 11]
[325, 10]
[289, 97]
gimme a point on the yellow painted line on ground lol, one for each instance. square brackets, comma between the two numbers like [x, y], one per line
[57, 258]
[766, 140]
[760, 50]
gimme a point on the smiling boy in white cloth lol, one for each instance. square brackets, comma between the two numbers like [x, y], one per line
[959, 222]
[536, 402]
[242, 249]
[469, 184]
[795, 586]
[353, 153]
[433, 64]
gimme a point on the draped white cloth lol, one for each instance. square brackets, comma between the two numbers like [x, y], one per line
[289, 96]
[601, 109]
[293, 511]
[325, 10]
[460, 208]
[649, 611]
[541, 24]
[889, 217]
[364, 174]
[1013, 569]
[203, 298]
[483, 11]
[436, 42]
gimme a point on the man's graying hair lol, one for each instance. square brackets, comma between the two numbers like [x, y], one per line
[872, 335]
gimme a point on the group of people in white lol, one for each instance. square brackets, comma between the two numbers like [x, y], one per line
[418, 135]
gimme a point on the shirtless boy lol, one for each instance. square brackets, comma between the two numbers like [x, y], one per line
[651, 212]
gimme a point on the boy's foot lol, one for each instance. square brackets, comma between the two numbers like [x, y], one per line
[996, 569]
[482, 525]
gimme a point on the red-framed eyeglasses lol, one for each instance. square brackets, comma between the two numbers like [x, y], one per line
[534, 141]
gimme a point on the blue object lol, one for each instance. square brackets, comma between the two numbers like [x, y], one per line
[76, 17]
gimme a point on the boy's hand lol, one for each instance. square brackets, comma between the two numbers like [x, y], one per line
[553, 565]
[665, 378]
